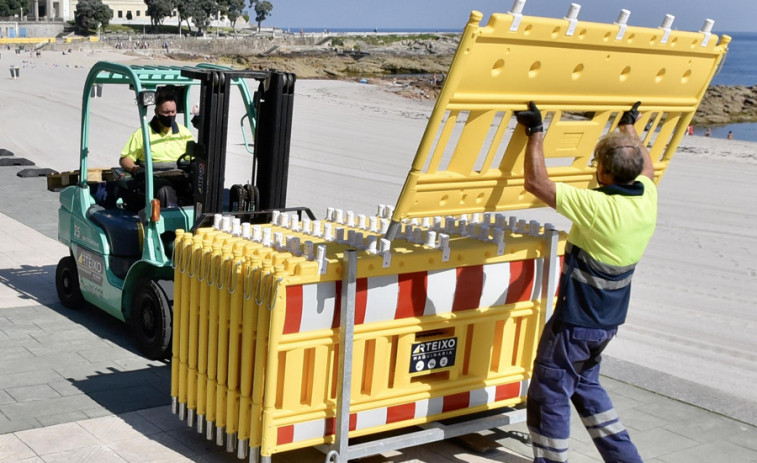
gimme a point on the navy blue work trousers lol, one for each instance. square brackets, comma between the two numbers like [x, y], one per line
[566, 370]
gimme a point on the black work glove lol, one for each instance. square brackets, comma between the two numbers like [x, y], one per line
[138, 173]
[530, 119]
[630, 116]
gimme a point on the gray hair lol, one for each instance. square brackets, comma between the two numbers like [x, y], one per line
[620, 156]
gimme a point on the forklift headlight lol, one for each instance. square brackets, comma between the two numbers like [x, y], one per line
[147, 97]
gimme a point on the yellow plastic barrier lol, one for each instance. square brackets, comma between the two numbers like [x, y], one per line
[448, 314]
[479, 313]
[468, 160]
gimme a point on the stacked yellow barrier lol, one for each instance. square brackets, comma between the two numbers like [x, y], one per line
[451, 295]
[271, 352]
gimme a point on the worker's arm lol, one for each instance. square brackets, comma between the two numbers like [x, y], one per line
[128, 165]
[537, 181]
[626, 126]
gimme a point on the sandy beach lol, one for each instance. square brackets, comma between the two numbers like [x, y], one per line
[694, 309]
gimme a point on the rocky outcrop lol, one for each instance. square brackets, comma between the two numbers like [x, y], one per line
[408, 60]
[727, 104]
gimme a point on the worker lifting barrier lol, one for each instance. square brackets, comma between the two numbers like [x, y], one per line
[302, 332]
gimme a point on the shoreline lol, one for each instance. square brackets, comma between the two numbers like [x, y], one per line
[406, 65]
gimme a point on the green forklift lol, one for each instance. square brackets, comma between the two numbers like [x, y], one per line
[120, 237]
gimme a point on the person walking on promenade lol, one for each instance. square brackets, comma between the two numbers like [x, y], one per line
[611, 227]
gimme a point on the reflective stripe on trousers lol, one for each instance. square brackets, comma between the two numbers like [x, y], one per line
[567, 369]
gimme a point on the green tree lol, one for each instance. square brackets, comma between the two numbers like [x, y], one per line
[262, 10]
[185, 9]
[202, 13]
[159, 10]
[13, 7]
[90, 13]
[234, 9]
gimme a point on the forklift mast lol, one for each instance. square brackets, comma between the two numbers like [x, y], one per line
[270, 167]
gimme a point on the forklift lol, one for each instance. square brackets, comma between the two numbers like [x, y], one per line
[120, 238]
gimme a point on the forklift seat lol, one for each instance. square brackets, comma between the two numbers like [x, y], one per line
[121, 228]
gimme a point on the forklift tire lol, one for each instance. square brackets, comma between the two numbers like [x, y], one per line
[67, 283]
[151, 321]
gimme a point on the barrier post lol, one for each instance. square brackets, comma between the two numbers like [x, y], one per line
[176, 261]
[346, 335]
[551, 263]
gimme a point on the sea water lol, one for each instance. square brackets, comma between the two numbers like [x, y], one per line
[738, 68]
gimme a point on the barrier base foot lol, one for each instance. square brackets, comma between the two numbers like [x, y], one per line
[174, 405]
[182, 411]
[201, 424]
[242, 448]
[231, 442]
[209, 435]
[220, 435]
[191, 418]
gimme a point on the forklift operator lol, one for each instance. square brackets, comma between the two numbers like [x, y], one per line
[168, 142]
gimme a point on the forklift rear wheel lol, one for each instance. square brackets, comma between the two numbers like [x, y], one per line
[151, 321]
[67, 283]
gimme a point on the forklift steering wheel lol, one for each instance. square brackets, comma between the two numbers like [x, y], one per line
[184, 162]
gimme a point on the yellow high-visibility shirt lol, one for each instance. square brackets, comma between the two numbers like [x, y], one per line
[612, 228]
[165, 147]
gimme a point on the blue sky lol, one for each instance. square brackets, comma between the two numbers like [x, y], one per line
[729, 15]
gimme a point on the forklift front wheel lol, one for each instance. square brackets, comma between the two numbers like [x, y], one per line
[151, 321]
[67, 283]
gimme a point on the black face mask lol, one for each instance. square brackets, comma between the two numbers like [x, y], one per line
[166, 121]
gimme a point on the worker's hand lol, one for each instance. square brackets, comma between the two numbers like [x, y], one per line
[138, 172]
[530, 119]
[630, 116]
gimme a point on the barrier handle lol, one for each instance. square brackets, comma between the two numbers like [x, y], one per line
[232, 279]
[250, 277]
[184, 261]
[259, 291]
[271, 302]
[173, 256]
[220, 282]
[192, 264]
[211, 267]
[204, 268]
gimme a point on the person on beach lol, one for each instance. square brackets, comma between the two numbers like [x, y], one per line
[730, 135]
[168, 142]
[612, 225]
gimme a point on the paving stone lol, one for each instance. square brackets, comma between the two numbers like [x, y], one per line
[48, 407]
[13, 449]
[26, 378]
[711, 452]
[6, 398]
[747, 438]
[92, 454]
[30, 393]
[58, 438]
[64, 388]
[60, 418]
[159, 447]
[45, 362]
[713, 428]
[162, 418]
[110, 429]
[655, 443]
[11, 353]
